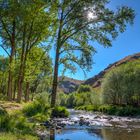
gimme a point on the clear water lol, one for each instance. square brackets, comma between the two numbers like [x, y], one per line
[96, 134]
[77, 135]
[120, 129]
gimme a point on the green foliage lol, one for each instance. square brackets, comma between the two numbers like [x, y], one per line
[59, 111]
[13, 136]
[38, 110]
[121, 85]
[84, 88]
[88, 108]
[41, 117]
[119, 110]
[83, 98]
[75, 30]
[4, 122]
[15, 123]
[112, 109]
[61, 99]
[33, 108]
[79, 28]
[3, 111]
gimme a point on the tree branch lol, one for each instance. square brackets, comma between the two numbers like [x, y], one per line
[6, 30]
[5, 50]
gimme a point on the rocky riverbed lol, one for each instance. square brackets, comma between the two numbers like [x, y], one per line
[89, 120]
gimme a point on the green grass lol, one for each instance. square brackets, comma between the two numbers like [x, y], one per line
[112, 109]
[60, 111]
[11, 136]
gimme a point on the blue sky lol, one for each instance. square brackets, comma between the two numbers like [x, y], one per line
[126, 44]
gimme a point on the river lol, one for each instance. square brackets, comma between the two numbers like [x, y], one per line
[83, 125]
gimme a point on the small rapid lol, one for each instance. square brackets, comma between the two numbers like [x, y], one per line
[81, 125]
[88, 119]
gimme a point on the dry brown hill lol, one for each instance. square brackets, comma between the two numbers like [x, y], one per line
[68, 85]
[96, 80]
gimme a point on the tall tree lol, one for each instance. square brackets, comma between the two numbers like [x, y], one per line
[23, 25]
[78, 23]
[35, 22]
[8, 35]
[38, 67]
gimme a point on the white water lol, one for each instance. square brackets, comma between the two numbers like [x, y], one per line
[90, 119]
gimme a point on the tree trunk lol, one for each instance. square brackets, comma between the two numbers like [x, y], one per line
[55, 79]
[32, 97]
[9, 91]
[52, 134]
[21, 70]
[10, 76]
[20, 81]
[14, 94]
[27, 92]
[56, 66]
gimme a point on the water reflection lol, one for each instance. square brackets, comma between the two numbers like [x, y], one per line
[52, 134]
[121, 134]
[95, 134]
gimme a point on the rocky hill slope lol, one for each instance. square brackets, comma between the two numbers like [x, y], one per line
[68, 85]
[96, 80]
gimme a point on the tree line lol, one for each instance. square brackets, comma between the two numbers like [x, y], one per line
[29, 29]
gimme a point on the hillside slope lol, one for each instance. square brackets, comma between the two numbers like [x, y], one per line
[68, 85]
[96, 80]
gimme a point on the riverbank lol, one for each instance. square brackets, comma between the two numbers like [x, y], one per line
[115, 110]
[81, 125]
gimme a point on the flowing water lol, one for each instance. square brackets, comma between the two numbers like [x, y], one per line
[88, 126]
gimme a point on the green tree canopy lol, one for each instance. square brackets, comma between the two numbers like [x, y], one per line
[121, 85]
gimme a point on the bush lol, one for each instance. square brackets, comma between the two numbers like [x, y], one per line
[91, 108]
[119, 110]
[34, 108]
[109, 109]
[40, 117]
[3, 111]
[15, 124]
[121, 85]
[84, 88]
[88, 108]
[127, 111]
[12, 136]
[60, 112]
[4, 122]
[4, 119]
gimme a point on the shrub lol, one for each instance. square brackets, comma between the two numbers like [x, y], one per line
[91, 108]
[2, 111]
[109, 109]
[4, 119]
[32, 109]
[127, 111]
[40, 117]
[60, 112]
[84, 88]
[12, 136]
[35, 107]
[4, 122]
[121, 85]
[119, 110]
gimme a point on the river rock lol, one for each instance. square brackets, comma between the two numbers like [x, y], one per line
[97, 117]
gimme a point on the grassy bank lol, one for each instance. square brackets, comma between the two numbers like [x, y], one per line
[112, 109]
[12, 136]
[18, 121]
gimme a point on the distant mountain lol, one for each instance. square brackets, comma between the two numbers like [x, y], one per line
[68, 85]
[97, 79]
